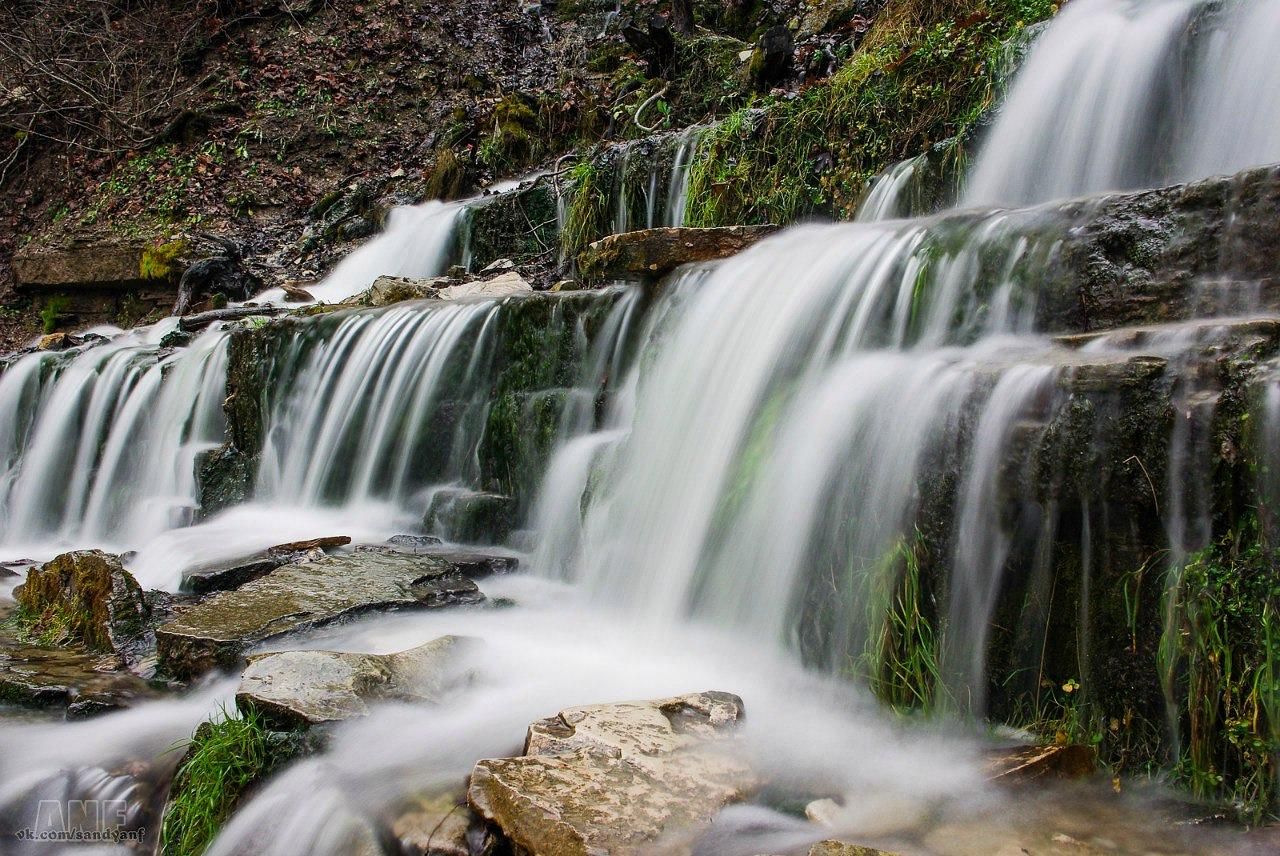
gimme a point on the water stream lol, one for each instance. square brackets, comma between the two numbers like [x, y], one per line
[740, 469]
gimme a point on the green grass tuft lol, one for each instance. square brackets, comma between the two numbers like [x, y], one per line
[225, 757]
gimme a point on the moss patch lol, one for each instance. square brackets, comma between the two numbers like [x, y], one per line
[161, 261]
[918, 79]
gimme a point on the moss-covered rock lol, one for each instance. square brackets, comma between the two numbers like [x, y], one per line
[85, 597]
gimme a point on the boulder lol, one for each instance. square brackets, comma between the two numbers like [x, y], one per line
[503, 285]
[305, 688]
[86, 597]
[387, 290]
[215, 632]
[616, 778]
[434, 825]
[653, 253]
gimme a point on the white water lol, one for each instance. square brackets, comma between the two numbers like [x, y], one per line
[1120, 94]
[760, 465]
[100, 447]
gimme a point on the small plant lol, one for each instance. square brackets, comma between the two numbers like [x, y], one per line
[588, 216]
[224, 758]
[901, 658]
[1218, 658]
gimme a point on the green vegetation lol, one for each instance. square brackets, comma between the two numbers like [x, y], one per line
[1220, 658]
[53, 308]
[926, 73]
[588, 215]
[224, 759]
[901, 659]
[160, 261]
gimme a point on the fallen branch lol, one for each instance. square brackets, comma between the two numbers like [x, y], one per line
[200, 320]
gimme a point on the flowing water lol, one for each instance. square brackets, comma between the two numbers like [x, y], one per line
[1119, 94]
[742, 466]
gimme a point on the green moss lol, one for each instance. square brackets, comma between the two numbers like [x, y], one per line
[224, 759]
[909, 86]
[160, 261]
[51, 312]
[448, 179]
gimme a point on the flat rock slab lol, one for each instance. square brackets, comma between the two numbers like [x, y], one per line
[653, 253]
[84, 683]
[305, 688]
[616, 778]
[233, 573]
[215, 632]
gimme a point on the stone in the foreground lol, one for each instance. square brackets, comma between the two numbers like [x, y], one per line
[214, 633]
[306, 688]
[831, 847]
[652, 253]
[434, 825]
[616, 778]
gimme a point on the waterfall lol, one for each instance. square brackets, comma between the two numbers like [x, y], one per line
[1119, 95]
[99, 445]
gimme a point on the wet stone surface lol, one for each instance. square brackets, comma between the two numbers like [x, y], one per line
[215, 632]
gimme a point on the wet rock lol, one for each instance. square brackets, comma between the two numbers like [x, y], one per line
[57, 342]
[328, 542]
[1027, 763]
[503, 285]
[304, 688]
[387, 290]
[231, 574]
[296, 294]
[85, 683]
[469, 563]
[414, 542]
[87, 597]
[652, 253]
[225, 477]
[844, 848]
[175, 339]
[225, 576]
[214, 632]
[616, 778]
[771, 58]
[498, 265]
[471, 516]
[434, 826]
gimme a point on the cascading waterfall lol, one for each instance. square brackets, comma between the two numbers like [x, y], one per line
[765, 465]
[1119, 95]
[100, 446]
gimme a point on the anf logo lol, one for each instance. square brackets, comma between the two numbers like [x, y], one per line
[70, 816]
